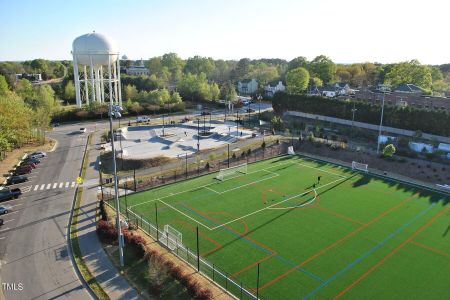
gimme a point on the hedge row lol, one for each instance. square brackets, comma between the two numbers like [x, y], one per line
[429, 121]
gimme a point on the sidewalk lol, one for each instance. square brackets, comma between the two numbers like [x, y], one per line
[94, 256]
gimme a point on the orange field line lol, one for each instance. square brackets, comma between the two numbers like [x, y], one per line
[374, 267]
[430, 248]
[339, 215]
[337, 242]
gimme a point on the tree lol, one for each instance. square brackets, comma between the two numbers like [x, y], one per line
[242, 69]
[172, 62]
[410, 72]
[316, 81]
[136, 108]
[198, 64]
[175, 98]
[4, 89]
[298, 62]
[69, 91]
[130, 92]
[389, 150]
[297, 80]
[24, 89]
[229, 92]
[324, 68]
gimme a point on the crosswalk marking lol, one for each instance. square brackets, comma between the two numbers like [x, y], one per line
[42, 186]
[26, 189]
[61, 184]
[73, 184]
[48, 186]
[55, 185]
[67, 184]
[36, 187]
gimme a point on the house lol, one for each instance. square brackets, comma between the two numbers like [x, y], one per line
[421, 147]
[329, 91]
[272, 87]
[313, 91]
[138, 69]
[247, 86]
[409, 88]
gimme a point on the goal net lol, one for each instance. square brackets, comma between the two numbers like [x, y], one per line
[291, 150]
[232, 170]
[171, 237]
[360, 166]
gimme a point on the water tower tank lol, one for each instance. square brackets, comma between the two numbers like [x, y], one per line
[95, 46]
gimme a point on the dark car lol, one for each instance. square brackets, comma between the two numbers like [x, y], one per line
[33, 160]
[1, 222]
[205, 113]
[6, 194]
[28, 163]
[23, 170]
[16, 179]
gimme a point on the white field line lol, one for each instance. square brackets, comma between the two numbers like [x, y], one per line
[206, 185]
[208, 188]
[254, 212]
[187, 216]
[321, 170]
[297, 206]
[268, 207]
[250, 183]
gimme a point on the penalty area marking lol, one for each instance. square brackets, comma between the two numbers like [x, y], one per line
[307, 203]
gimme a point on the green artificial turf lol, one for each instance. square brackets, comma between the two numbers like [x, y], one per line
[354, 236]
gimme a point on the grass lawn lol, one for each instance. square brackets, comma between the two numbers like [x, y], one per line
[350, 235]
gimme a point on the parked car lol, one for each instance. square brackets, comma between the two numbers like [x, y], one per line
[16, 179]
[33, 160]
[83, 130]
[28, 163]
[39, 154]
[141, 119]
[205, 113]
[22, 170]
[7, 193]
[1, 222]
[4, 209]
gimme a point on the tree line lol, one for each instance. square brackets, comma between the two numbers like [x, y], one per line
[429, 121]
[25, 112]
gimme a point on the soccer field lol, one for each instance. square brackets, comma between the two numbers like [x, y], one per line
[349, 236]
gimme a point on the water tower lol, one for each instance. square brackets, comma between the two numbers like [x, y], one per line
[96, 68]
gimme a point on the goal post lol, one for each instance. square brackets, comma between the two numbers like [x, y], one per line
[291, 150]
[171, 237]
[232, 170]
[360, 166]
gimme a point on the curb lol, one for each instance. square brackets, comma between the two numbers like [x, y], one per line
[70, 250]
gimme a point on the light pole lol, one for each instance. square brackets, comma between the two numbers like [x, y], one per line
[228, 155]
[115, 110]
[100, 176]
[353, 115]
[259, 108]
[198, 134]
[163, 126]
[381, 124]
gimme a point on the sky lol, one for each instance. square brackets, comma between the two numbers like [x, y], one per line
[347, 31]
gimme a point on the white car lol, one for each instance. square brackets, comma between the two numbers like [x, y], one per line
[4, 209]
[83, 130]
[142, 119]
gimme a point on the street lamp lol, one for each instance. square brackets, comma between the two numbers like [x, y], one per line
[100, 176]
[198, 134]
[115, 110]
[353, 114]
[259, 107]
[228, 155]
[381, 123]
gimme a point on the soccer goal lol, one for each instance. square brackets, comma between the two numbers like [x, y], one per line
[291, 150]
[171, 237]
[360, 166]
[232, 170]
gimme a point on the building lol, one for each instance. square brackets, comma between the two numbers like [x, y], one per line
[408, 88]
[247, 86]
[30, 77]
[272, 87]
[137, 69]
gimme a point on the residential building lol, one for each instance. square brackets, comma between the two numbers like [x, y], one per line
[30, 77]
[138, 69]
[408, 88]
[247, 86]
[272, 87]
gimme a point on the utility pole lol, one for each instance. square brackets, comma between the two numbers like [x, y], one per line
[228, 154]
[353, 115]
[198, 134]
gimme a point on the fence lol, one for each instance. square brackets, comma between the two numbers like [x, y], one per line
[212, 272]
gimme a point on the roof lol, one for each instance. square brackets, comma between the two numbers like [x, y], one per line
[341, 84]
[274, 83]
[328, 88]
[246, 80]
[408, 88]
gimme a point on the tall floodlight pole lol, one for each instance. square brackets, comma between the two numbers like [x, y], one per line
[116, 192]
[381, 124]
[353, 115]
[198, 134]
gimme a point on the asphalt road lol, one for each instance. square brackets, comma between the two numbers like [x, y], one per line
[33, 246]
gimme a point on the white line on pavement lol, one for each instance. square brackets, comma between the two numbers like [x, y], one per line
[42, 186]
[48, 186]
[8, 221]
[7, 228]
[36, 187]
[61, 184]
[73, 184]
[67, 184]
[55, 185]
